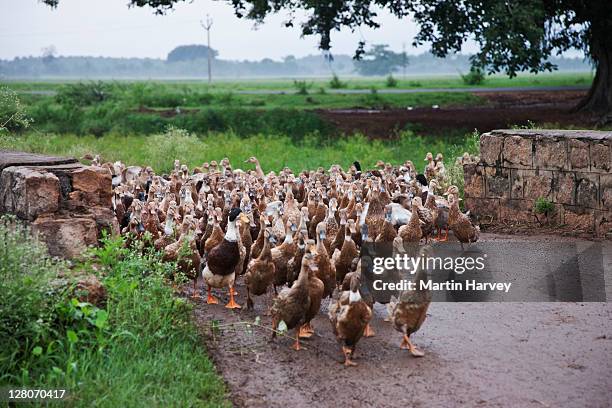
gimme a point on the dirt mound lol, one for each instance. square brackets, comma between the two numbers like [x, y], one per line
[502, 110]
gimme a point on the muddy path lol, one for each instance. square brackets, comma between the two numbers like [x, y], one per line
[477, 354]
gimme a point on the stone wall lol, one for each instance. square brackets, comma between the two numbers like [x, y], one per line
[66, 203]
[571, 168]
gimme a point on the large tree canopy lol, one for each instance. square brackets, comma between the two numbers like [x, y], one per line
[190, 53]
[513, 36]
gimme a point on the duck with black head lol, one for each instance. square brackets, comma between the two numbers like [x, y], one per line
[220, 270]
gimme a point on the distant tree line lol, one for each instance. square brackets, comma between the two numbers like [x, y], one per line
[190, 61]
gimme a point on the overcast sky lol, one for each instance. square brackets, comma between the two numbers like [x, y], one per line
[110, 28]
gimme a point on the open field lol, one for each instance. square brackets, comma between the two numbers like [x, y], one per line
[315, 84]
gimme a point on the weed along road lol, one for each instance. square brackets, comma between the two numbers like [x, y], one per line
[492, 354]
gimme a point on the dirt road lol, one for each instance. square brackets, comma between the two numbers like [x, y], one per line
[477, 354]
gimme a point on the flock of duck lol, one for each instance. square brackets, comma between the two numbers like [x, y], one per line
[298, 235]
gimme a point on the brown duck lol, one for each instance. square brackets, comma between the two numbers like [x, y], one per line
[349, 317]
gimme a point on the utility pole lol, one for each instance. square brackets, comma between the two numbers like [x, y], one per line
[207, 25]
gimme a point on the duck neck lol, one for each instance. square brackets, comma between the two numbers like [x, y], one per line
[266, 252]
[288, 237]
[232, 233]
[169, 227]
[354, 297]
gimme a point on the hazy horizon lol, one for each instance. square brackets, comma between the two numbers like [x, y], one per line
[108, 28]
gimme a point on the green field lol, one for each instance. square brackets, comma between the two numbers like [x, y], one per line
[139, 107]
[315, 84]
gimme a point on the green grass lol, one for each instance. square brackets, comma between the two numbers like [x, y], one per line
[286, 84]
[140, 349]
[274, 152]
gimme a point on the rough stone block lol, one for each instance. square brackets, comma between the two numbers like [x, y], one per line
[491, 149]
[474, 180]
[517, 152]
[66, 236]
[550, 153]
[516, 211]
[564, 188]
[538, 184]
[605, 185]
[517, 182]
[497, 182]
[28, 192]
[587, 186]
[600, 156]
[578, 154]
[484, 210]
[95, 182]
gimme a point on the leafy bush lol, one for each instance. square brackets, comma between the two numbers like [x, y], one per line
[391, 82]
[543, 206]
[85, 93]
[336, 83]
[476, 76]
[13, 116]
[302, 87]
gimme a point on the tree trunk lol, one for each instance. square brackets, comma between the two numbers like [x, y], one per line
[599, 98]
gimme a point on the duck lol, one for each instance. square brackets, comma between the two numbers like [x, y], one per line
[326, 270]
[185, 252]
[460, 223]
[259, 242]
[216, 236]
[295, 264]
[343, 258]
[258, 170]
[291, 304]
[349, 317]
[220, 269]
[339, 239]
[388, 232]
[411, 232]
[282, 254]
[439, 213]
[260, 271]
[316, 291]
[410, 310]
[426, 218]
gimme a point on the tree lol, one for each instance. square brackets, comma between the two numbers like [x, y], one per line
[48, 54]
[379, 61]
[513, 36]
[190, 52]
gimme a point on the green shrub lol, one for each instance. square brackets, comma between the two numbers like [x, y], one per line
[543, 206]
[336, 83]
[302, 87]
[13, 115]
[86, 93]
[391, 82]
[476, 76]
